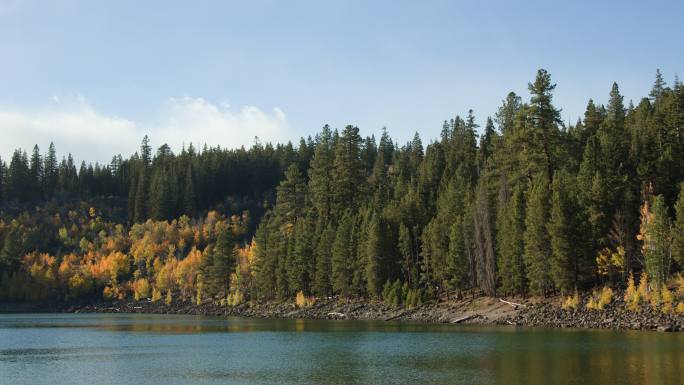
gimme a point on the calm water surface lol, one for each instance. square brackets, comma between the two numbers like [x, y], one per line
[149, 349]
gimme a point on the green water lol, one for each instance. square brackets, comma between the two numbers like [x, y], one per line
[149, 349]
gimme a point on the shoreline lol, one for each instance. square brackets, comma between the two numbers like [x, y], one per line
[471, 310]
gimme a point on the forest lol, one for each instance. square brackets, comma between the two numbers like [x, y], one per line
[524, 205]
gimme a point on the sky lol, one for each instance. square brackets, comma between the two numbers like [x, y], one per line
[96, 76]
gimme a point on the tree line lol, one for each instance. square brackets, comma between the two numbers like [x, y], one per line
[525, 205]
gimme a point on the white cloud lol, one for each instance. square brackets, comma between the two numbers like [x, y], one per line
[198, 121]
[78, 128]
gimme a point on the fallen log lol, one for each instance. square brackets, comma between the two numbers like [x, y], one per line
[466, 318]
[515, 305]
[336, 314]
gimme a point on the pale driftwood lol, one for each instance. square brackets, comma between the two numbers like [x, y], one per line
[336, 314]
[463, 319]
[515, 305]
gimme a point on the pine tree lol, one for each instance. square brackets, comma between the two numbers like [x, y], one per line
[655, 236]
[678, 230]
[537, 129]
[321, 175]
[407, 249]
[189, 205]
[342, 256]
[322, 277]
[19, 178]
[537, 247]
[505, 116]
[216, 266]
[50, 171]
[510, 241]
[265, 261]
[568, 234]
[658, 86]
[141, 194]
[300, 269]
[36, 172]
[457, 260]
[348, 174]
[374, 257]
[290, 197]
[484, 239]
[163, 194]
[12, 249]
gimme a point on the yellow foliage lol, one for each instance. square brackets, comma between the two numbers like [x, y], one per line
[302, 301]
[680, 308]
[79, 285]
[655, 299]
[679, 284]
[235, 298]
[141, 289]
[186, 272]
[166, 274]
[572, 302]
[156, 295]
[115, 291]
[599, 300]
[643, 290]
[632, 296]
[667, 299]
[606, 297]
[168, 297]
[610, 263]
[198, 298]
[112, 266]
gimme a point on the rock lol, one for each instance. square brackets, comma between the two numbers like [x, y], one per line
[665, 328]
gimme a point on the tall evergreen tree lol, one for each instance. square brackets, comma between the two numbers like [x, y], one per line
[510, 241]
[321, 175]
[537, 245]
[568, 234]
[374, 251]
[50, 170]
[322, 277]
[484, 239]
[348, 173]
[537, 129]
[655, 236]
[342, 256]
[678, 230]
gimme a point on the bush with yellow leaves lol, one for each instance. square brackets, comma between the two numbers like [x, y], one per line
[571, 302]
[302, 301]
[680, 308]
[666, 300]
[233, 299]
[599, 300]
[168, 297]
[632, 296]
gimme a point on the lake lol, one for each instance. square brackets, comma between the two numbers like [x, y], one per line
[127, 349]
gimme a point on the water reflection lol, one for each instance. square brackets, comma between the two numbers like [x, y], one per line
[147, 349]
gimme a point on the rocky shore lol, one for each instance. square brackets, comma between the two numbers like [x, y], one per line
[614, 316]
[477, 310]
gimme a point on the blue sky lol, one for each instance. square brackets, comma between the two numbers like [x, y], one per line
[94, 76]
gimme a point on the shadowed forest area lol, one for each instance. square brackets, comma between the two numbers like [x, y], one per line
[523, 205]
